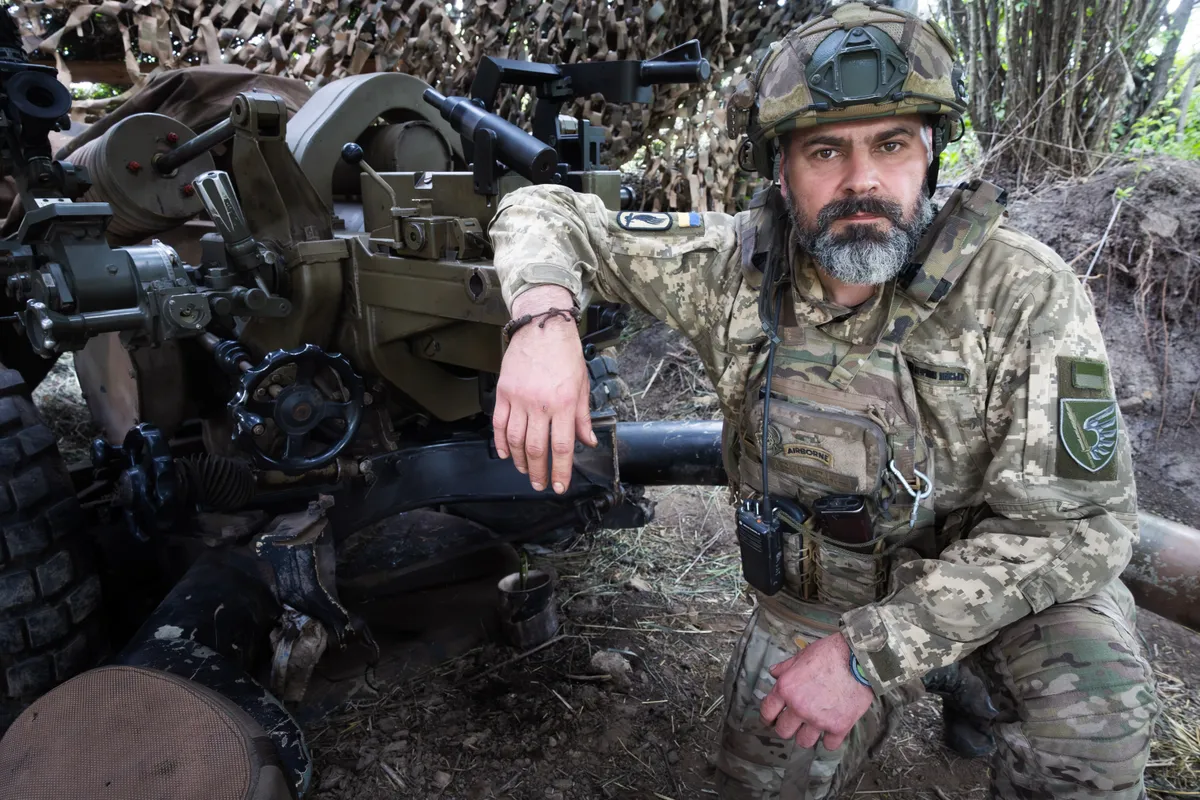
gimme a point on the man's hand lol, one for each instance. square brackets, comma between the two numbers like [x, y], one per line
[815, 693]
[542, 394]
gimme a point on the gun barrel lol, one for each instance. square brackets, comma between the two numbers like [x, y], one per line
[675, 71]
[518, 150]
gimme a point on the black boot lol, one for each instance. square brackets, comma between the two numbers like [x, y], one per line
[967, 710]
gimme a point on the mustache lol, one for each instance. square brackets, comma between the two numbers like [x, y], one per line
[860, 205]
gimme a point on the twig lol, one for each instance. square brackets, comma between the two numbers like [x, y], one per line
[635, 758]
[1103, 239]
[713, 707]
[1166, 367]
[510, 783]
[667, 766]
[516, 658]
[650, 383]
[392, 776]
[560, 698]
[703, 550]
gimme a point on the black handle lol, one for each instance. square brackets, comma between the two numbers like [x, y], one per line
[675, 71]
[352, 153]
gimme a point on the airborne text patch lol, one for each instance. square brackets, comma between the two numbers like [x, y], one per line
[808, 451]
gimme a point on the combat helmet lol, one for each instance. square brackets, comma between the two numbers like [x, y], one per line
[852, 61]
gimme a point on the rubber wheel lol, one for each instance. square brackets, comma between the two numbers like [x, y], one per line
[50, 625]
[19, 355]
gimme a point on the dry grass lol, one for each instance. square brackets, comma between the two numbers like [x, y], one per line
[1174, 767]
[61, 403]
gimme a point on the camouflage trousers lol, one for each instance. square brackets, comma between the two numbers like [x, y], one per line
[1075, 696]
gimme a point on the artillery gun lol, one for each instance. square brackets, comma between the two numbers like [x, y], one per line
[333, 334]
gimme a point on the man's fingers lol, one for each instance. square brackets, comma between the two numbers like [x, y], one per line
[583, 415]
[562, 445]
[783, 666]
[807, 736]
[537, 442]
[833, 741]
[500, 425]
[772, 704]
[788, 723]
[515, 436]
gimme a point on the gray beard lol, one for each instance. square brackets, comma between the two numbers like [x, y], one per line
[863, 255]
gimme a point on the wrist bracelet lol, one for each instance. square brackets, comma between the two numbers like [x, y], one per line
[857, 672]
[520, 322]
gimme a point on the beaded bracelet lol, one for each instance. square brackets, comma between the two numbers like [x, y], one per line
[520, 322]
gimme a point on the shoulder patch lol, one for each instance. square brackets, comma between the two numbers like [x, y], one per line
[644, 221]
[1089, 422]
[689, 219]
[1088, 431]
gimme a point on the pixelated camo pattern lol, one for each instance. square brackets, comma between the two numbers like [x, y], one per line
[1017, 538]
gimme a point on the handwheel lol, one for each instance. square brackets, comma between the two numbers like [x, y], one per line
[296, 409]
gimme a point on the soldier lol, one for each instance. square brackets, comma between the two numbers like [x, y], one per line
[932, 384]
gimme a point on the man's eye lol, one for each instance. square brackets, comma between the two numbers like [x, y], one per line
[825, 155]
[892, 147]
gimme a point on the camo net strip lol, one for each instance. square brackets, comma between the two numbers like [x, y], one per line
[685, 160]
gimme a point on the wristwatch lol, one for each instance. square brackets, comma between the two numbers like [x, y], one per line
[857, 672]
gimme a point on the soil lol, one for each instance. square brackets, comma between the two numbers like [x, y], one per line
[1144, 286]
[625, 701]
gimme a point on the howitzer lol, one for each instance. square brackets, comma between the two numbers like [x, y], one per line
[321, 358]
[321, 320]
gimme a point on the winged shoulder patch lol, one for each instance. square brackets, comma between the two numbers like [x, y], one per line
[644, 221]
[1088, 430]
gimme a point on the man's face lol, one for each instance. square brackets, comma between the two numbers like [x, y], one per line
[855, 193]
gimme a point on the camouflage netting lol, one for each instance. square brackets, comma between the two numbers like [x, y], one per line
[678, 144]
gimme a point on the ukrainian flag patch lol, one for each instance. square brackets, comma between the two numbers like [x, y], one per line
[689, 219]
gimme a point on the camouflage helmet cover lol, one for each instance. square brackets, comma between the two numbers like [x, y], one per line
[855, 61]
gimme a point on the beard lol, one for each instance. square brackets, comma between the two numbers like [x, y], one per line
[862, 254]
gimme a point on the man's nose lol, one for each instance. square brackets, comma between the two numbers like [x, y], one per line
[862, 177]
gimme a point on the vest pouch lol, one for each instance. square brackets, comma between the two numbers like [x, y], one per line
[814, 451]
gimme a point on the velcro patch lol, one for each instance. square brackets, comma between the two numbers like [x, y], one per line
[1089, 375]
[1089, 423]
[957, 376]
[688, 219]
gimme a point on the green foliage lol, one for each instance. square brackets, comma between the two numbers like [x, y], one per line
[94, 91]
[960, 158]
[1156, 132]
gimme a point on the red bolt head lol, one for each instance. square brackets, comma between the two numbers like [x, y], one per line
[172, 137]
[188, 190]
[134, 167]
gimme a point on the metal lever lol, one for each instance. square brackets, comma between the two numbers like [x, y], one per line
[216, 191]
[352, 153]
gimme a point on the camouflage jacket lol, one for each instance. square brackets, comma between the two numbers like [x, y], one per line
[1014, 346]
